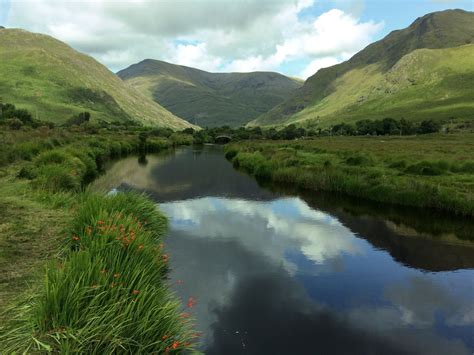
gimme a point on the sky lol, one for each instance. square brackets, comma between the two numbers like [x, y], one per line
[294, 37]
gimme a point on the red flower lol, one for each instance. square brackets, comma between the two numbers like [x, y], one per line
[164, 337]
[191, 302]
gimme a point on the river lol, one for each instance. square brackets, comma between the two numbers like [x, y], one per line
[279, 271]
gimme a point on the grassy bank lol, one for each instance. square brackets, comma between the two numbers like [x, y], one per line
[434, 171]
[90, 268]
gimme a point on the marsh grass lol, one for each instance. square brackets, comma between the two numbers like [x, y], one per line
[434, 171]
[105, 289]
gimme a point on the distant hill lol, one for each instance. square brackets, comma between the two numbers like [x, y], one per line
[54, 82]
[425, 71]
[209, 99]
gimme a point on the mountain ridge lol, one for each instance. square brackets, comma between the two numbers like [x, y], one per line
[439, 30]
[209, 99]
[51, 79]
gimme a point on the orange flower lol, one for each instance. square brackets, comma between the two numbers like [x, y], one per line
[191, 302]
[164, 337]
[175, 345]
[75, 237]
[135, 292]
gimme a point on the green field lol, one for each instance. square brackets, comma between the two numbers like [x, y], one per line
[431, 171]
[55, 82]
[81, 272]
[209, 99]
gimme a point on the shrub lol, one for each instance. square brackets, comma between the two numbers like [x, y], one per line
[230, 154]
[57, 178]
[427, 168]
[359, 160]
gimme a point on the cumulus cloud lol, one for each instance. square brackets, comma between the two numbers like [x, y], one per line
[283, 224]
[218, 35]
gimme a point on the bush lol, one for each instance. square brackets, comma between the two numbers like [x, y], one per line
[230, 154]
[57, 178]
[359, 160]
[427, 168]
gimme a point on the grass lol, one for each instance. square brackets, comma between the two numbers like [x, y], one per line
[89, 270]
[434, 171]
[55, 82]
[108, 294]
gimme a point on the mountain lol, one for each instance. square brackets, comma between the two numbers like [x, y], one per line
[54, 82]
[425, 71]
[209, 99]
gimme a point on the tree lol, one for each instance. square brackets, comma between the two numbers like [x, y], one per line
[429, 126]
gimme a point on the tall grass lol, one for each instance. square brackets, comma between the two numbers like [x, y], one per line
[106, 292]
[108, 295]
[434, 172]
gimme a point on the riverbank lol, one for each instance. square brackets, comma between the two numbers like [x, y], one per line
[433, 171]
[103, 289]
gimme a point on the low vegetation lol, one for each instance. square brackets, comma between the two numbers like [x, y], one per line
[434, 171]
[103, 288]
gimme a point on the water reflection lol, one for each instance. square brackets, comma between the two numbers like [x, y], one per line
[283, 275]
[276, 277]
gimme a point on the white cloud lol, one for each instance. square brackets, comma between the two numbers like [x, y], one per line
[303, 229]
[317, 64]
[224, 35]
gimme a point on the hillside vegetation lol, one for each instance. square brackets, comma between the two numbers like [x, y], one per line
[425, 71]
[55, 82]
[209, 99]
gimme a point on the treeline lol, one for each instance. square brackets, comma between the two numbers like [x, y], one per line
[387, 126]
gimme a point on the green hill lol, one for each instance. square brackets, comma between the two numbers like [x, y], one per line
[209, 99]
[425, 71]
[54, 82]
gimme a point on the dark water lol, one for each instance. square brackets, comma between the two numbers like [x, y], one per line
[285, 272]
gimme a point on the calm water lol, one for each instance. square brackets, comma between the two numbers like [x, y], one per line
[294, 273]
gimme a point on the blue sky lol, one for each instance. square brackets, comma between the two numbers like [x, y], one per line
[295, 37]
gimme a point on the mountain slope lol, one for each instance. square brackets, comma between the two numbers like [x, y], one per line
[423, 71]
[209, 99]
[54, 82]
